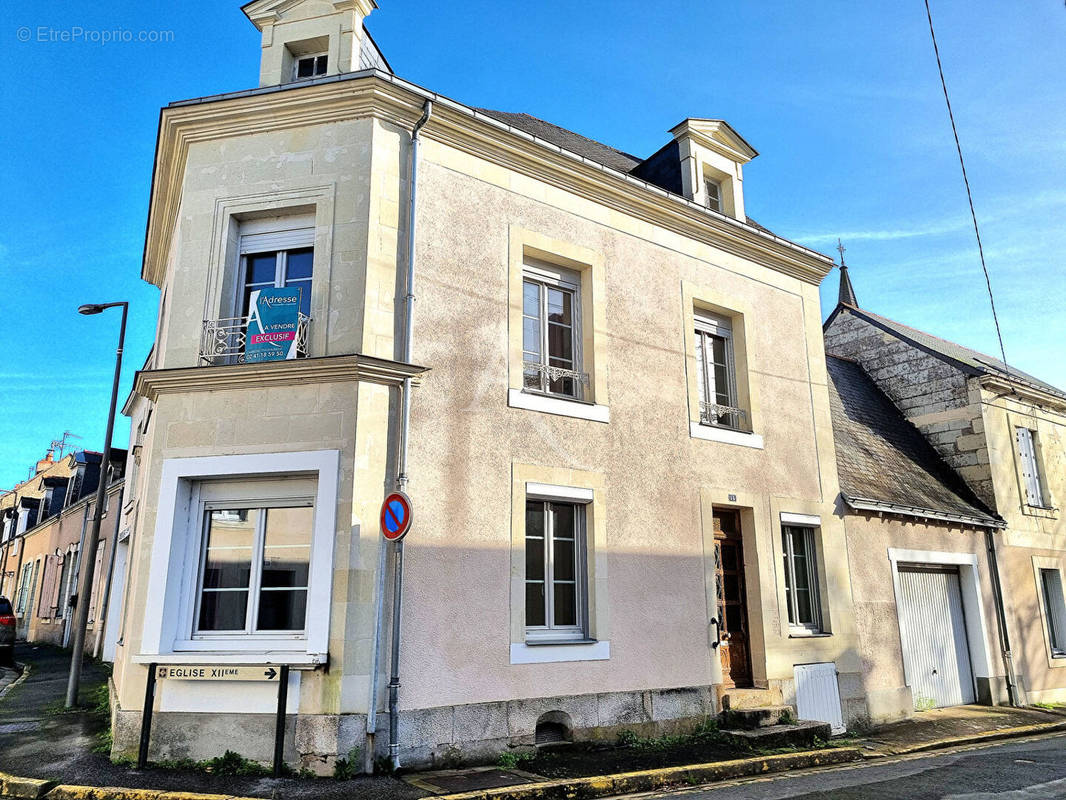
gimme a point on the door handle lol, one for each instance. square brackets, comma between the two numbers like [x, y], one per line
[717, 632]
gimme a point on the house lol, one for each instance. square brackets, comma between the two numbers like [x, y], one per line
[43, 523]
[1001, 432]
[619, 455]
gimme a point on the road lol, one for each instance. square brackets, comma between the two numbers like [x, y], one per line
[1023, 770]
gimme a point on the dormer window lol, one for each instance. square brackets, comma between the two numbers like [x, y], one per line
[311, 66]
[714, 195]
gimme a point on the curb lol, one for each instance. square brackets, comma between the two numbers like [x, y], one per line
[979, 738]
[26, 669]
[664, 778]
[23, 788]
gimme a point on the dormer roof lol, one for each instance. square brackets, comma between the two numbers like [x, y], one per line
[717, 135]
[266, 12]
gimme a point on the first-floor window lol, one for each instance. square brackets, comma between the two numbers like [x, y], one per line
[716, 372]
[254, 569]
[556, 605]
[801, 577]
[1054, 610]
[551, 332]
[1034, 493]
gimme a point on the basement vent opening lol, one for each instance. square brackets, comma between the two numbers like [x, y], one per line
[553, 728]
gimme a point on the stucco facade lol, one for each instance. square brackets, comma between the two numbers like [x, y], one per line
[645, 476]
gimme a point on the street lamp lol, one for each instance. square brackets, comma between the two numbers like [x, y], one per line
[88, 560]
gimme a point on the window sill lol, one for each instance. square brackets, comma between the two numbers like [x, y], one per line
[1047, 512]
[578, 409]
[801, 634]
[292, 658]
[550, 652]
[712, 433]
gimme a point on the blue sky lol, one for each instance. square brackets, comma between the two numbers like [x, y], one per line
[841, 99]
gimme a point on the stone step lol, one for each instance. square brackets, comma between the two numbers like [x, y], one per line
[803, 735]
[751, 718]
[730, 699]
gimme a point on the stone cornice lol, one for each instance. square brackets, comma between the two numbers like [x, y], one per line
[152, 383]
[376, 94]
[1024, 390]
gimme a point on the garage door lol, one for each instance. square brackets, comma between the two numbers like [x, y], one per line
[933, 633]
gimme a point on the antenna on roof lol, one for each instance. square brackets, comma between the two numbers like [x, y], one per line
[61, 443]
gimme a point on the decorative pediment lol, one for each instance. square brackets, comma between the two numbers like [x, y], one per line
[718, 135]
[269, 12]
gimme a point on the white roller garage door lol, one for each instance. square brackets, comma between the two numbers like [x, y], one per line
[933, 632]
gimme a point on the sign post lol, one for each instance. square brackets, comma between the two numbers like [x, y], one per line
[273, 325]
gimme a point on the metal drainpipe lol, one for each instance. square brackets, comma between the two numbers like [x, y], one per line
[405, 422]
[1001, 618]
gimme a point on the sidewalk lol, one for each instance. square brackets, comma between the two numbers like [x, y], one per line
[39, 740]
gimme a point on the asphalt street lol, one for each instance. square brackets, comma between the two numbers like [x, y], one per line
[1021, 770]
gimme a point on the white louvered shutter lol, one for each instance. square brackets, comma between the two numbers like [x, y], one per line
[1030, 473]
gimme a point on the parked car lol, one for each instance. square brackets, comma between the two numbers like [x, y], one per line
[7, 632]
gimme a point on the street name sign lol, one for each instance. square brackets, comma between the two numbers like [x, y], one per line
[216, 672]
[396, 516]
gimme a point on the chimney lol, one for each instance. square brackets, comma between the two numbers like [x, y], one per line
[45, 462]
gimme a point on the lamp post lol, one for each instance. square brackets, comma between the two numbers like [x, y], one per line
[88, 560]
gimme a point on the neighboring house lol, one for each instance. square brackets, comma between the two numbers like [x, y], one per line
[621, 454]
[43, 522]
[925, 599]
[1004, 433]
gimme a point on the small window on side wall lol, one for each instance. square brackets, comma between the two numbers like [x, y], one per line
[1054, 610]
[801, 578]
[716, 373]
[714, 194]
[1031, 477]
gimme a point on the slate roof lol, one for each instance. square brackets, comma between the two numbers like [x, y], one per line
[884, 458]
[568, 140]
[971, 360]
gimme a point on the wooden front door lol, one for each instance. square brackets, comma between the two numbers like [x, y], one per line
[732, 599]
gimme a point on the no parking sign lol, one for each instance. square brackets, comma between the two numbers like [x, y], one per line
[396, 516]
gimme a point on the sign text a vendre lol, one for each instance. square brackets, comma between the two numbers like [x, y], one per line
[273, 320]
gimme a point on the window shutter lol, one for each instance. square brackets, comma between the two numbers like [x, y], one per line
[97, 580]
[1027, 455]
[48, 586]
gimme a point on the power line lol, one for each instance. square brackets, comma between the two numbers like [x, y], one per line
[969, 194]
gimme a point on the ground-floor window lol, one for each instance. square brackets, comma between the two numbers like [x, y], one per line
[1054, 609]
[556, 589]
[801, 577]
[254, 568]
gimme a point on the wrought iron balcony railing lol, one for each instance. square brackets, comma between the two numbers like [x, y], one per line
[554, 380]
[722, 416]
[222, 341]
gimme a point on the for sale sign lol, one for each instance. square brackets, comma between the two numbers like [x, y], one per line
[273, 321]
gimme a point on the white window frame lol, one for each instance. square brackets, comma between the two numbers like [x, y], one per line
[549, 632]
[296, 60]
[255, 579]
[709, 326]
[548, 275]
[792, 606]
[1032, 484]
[1054, 609]
[714, 202]
[172, 571]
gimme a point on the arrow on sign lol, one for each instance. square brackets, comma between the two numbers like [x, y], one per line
[271, 673]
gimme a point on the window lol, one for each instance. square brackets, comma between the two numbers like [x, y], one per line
[551, 333]
[281, 269]
[254, 569]
[309, 66]
[556, 605]
[1034, 495]
[26, 587]
[716, 372]
[1054, 610]
[714, 195]
[801, 577]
